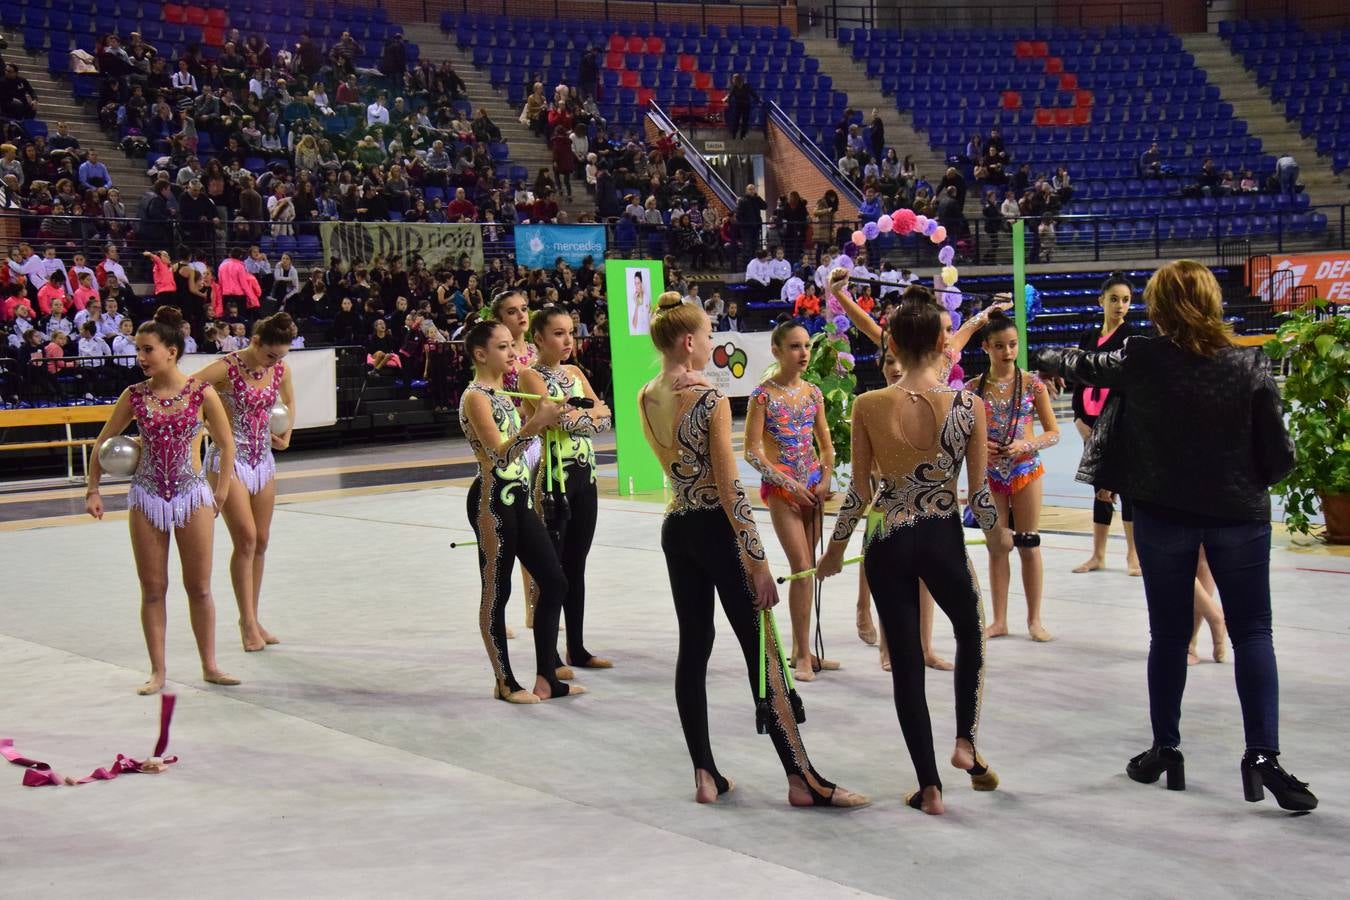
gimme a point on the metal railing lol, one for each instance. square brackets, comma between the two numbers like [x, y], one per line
[826, 166]
[702, 12]
[693, 156]
[994, 15]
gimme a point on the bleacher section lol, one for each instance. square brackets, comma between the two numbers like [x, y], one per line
[1309, 72]
[685, 70]
[1092, 100]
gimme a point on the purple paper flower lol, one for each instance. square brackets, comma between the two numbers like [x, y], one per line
[841, 323]
[846, 359]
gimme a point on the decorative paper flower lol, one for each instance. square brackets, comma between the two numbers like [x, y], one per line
[946, 255]
[903, 221]
[841, 323]
[949, 275]
[938, 234]
[871, 231]
[885, 224]
[859, 238]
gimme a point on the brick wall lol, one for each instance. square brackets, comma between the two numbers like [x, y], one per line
[1181, 16]
[786, 168]
[612, 10]
[709, 196]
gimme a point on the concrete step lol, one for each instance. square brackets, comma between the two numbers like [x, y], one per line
[526, 149]
[865, 94]
[1265, 119]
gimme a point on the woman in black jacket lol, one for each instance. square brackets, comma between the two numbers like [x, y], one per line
[1204, 443]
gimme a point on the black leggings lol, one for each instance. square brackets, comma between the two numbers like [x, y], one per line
[508, 528]
[1103, 511]
[932, 549]
[573, 545]
[701, 556]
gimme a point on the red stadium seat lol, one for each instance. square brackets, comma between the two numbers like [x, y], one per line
[1040, 49]
[1012, 100]
[1082, 115]
[1022, 50]
[216, 18]
[655, 45]
[703, 81]
[644, 96]
[688, 62]
[617, 43]
[637, 44]
[174, 13]
[213, 36]
[630, 79]
[613, 60]
[194, 15]
[1054, 65]
[1045, 117]
[1083, 99]
[1068, 82]
[1064, 116]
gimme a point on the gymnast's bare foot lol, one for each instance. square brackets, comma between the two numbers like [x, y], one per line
[252, 637]
[1192, 658]
[1132, 567]
[218, 677]
[824, 665]
[1038, 633]
[802, 671]
[153, 686]
[933, 661]
[268, 636]
[929, 801]
[885, 661]
[867, 631]
[1094, 563]
[544, 691]
[997, 630]
[510, 632]
[705, 786]
[799, 794]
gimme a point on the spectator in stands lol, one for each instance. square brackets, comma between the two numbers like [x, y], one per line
[1286, 170]
[1046, 239]
[740, 98]
[461, 209]
[848, 166]
[564, 159]
[113, 323]
[757, 275]
[92, 346]
[993, 225]
[1011, 209]
[732, 320]
[18, 99]
[394, 61]
[1062, 186]
[1210, 178]
[950, 214]
[1150, 162]
[588, 74]
[749, 221]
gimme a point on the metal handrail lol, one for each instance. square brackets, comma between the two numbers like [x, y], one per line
[693, 156]
[827, 167]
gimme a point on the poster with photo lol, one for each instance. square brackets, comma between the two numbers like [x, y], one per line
[638, 291]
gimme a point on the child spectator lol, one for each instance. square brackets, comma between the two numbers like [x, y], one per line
[91, 345]
[124, 344]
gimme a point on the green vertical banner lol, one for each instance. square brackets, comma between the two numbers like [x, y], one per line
[632, 286]
[1019, 231]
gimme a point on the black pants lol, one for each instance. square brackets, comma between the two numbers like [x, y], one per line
[1239, 558]
[508, 528]
[572, 541]
[701, 557]
[932, 549]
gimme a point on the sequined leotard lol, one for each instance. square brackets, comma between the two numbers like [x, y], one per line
[711, 543]
[500, 511]
[511, 382]
[249, 402]
[167, 488]
[914, 532]
[789, 421]
[1011, 420]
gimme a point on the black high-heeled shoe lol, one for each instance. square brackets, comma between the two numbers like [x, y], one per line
[1153, 762]
[1261, 770]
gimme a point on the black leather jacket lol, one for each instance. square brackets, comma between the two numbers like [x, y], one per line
[1202, 435]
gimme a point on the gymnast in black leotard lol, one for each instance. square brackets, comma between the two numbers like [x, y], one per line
[500, 511]
[915, 435]
[568, 465]
[711, 544]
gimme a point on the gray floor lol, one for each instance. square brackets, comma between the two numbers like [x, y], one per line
[364, 756]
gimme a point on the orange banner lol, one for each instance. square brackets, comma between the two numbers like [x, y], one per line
[1329, 273]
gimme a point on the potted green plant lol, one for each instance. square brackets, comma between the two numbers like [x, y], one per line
[831, 370]
[1317, 400]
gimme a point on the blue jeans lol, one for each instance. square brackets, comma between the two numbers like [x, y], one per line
[1239, 558]
[1288, 179]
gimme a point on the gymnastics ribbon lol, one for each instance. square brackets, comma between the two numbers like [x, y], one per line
[40, 774]
[766, 622]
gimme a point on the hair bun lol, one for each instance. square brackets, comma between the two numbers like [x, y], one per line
[669, 300]
[168, 315]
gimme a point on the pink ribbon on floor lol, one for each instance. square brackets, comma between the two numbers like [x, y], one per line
[39, 773]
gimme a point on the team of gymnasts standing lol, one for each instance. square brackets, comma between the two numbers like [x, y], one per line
[534, 499]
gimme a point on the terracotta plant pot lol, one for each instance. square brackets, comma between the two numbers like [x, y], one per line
[1336, 511]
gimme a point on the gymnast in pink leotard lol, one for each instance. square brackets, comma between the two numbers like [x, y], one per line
[169, 491]
[787, 440]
